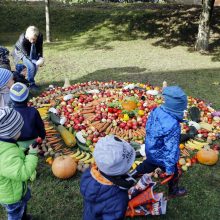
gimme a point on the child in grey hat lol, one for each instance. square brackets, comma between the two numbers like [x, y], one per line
[105, 187]
[15, 168]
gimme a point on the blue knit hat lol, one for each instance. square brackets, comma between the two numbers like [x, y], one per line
[19, 92]
[5, 76]
[175, 99]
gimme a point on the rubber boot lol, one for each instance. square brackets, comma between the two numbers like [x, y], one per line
[26, 216]
[175, 190]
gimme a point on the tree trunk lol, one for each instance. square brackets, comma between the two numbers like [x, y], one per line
[47, 14]
[202, 42]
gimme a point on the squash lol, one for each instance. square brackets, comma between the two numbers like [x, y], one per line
[64, 167]
[207, 156]
[129, 105]
[68, 138]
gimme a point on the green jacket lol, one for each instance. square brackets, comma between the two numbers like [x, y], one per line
[15, 170]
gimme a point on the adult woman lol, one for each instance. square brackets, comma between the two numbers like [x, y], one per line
[28, 52]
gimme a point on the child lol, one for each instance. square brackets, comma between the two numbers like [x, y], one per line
[163, 137]
[15, 168]
[6, 81]
[105, 187]
[33, 124]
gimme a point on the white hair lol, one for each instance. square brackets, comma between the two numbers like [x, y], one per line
[31, 31]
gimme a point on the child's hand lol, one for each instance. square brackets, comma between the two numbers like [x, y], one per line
[32, 150]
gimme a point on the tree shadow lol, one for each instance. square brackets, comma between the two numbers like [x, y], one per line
[95, 26]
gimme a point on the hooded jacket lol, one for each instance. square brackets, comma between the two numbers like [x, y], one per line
[15, 170]
[162, 139]
[33, 125]
[102, 201]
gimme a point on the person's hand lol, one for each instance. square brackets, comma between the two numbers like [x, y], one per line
[32, 150]
[40, 61]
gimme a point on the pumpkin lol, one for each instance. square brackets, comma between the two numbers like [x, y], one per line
[64, 167]
[207, 156]
[129, 105]
[68, 138]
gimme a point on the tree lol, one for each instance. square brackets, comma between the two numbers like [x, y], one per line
[202, 42]
[47, 14]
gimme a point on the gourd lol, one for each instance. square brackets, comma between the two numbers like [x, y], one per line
[207, 157]
[129, 105]
[68, 138]
[64, 167]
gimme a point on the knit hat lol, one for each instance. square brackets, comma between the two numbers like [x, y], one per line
[11, 123]
[175, 99]
[113, 156]
[5, 76]
[19, 92]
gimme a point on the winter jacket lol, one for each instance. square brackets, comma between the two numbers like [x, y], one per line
[33, 124]
[102, 201]
[23, 48]
[162, 139]
[5, 100]
[15, 170]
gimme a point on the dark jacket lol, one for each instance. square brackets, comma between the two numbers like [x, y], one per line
[33, 124]
[102, 202]
[23, 48]
[162, 139]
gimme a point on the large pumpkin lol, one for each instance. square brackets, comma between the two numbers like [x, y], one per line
[207, 156]
[64, 167]
[129, 105]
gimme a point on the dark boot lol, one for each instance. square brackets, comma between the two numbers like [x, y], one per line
[175, 190]
[26, 216]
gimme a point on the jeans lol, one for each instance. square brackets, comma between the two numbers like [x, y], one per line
[31, 70]
[16, 210]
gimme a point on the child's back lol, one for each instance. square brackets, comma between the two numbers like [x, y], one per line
[105, 187]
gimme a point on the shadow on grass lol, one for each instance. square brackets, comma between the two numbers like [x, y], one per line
[99, 24]
[202, 83]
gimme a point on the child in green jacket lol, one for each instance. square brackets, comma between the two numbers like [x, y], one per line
[15, 168]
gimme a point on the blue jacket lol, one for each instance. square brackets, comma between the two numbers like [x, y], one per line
[162, 139]
[33, 124]
[102, 202]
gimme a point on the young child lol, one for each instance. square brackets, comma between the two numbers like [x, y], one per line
[105, 187]
[163, 137]
[33, 124]
[6, 81]
[15, 168]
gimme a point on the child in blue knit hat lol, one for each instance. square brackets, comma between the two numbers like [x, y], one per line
[33, 124]
[6, 81]
[163, 138]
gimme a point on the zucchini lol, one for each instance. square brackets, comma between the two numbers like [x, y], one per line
[54, 118]
[82, 147]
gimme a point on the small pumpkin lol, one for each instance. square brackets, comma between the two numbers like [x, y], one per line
[207, 156]
[129, 105]
[64, 167]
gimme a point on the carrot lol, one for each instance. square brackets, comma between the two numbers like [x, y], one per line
[53, 142]
[130, 134]
[104, 127]
[108, 129]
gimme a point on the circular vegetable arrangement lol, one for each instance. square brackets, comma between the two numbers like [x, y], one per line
[91, 110]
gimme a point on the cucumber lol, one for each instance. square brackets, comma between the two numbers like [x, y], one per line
[82, 147]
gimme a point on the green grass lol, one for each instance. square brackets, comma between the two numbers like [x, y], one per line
[124, 42]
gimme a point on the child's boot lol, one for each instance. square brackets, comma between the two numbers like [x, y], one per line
[175, 190]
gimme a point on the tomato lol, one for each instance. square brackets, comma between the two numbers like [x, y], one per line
[110, 110]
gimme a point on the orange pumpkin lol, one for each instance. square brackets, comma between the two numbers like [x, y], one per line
[129, 105]
[64, 167]
[207, 157]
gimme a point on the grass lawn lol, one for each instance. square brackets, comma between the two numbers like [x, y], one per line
[124, 42]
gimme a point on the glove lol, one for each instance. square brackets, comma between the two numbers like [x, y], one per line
[40, 61]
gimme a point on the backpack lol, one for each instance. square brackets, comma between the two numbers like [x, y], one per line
[4, 58]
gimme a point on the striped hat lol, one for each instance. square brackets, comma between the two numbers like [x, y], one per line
[11, 123]
[5, 76]
[19, 92]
